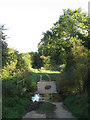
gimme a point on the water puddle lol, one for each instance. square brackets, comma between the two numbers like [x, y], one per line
[55, 97]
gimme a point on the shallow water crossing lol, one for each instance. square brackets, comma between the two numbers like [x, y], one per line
[55, 97]
[60, 110]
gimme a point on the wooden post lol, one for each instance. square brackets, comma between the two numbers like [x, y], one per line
[40, 77]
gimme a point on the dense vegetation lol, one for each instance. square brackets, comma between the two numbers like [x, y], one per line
[65, 47]
[17, 80]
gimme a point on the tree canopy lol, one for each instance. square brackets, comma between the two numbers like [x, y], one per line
[3, 46]
[58, 41]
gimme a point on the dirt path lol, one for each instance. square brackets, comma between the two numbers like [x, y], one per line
[34, 114]
[60, 112]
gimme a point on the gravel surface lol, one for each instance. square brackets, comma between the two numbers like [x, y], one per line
[41, 87]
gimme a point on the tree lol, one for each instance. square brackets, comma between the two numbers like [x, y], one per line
[56, 41]
[24, 61]
[3, 46]
[36, 60]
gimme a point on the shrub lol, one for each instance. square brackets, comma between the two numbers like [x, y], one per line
[15, 103]
[78, 104]
[64, 82]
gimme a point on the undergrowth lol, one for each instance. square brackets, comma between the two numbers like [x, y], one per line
[15, 100]
[78, 104]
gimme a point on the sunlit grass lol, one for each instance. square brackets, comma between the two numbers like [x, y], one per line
[37, 72]
[44, 71]
[49, 71]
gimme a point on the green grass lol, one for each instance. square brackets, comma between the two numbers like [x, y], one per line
[13, 108]
[78, 105]
[46, 108]
[36, 74]
[44, 71]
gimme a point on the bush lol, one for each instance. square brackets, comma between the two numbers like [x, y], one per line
[78, 104]
[15, 103]
[64, 82]
[75, 76]
[46, 61]
[62, 67]
[14, 107]
[24, 61]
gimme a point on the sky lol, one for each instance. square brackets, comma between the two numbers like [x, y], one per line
[26, 20]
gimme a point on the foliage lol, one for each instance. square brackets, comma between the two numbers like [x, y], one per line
[10, 68]
[36, 60]
[16, 67]
[14, 107]
[56, 42]
[3, 46]
[46, 61]
[12, 56]
[14, 102]
[76, 76]
[62, 67]
[78, 104]
[65, 43]
[24, 61]
[65, 48]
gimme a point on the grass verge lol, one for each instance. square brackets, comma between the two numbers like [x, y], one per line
[48, 109]
[78, 105]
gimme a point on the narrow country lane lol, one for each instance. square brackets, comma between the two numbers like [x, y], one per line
[59, 112]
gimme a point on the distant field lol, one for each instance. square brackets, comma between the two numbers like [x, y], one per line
[53, 74]
[44, 71]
